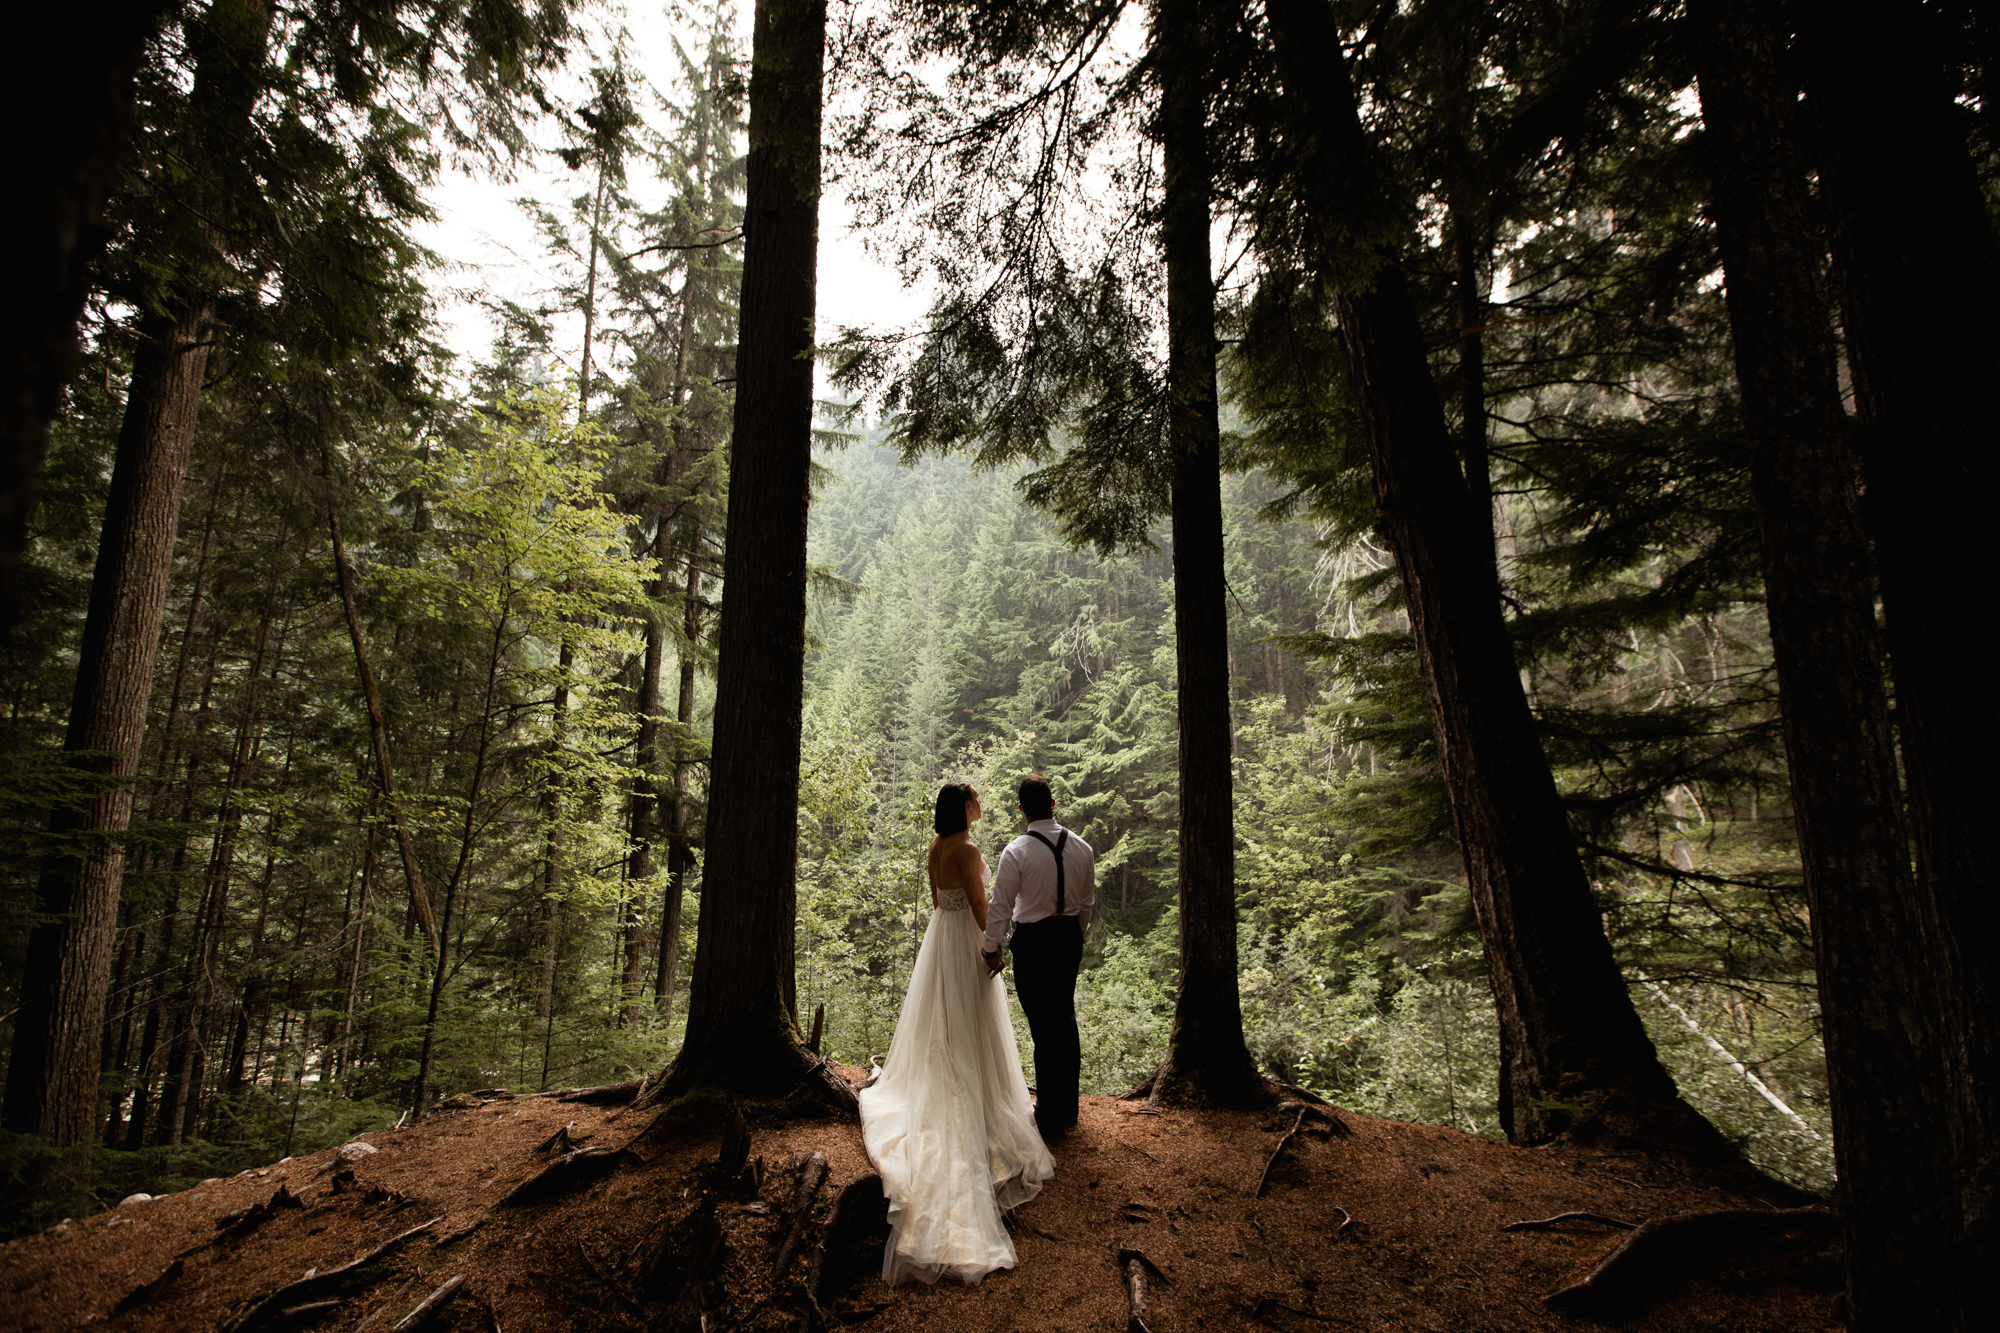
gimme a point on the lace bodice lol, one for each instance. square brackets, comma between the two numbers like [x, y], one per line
[951, 900]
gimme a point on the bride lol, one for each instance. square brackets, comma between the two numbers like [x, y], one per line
[948, 1123]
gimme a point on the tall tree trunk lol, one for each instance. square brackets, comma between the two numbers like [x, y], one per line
[52, 1073]
[1916, 293]
[1574, 1055]
[118, 1023]
[1206, 1049]
[168, 1001]
[742, 1032]
[1871, 940]
[204, 965]
[344, 1041]
[378, 735]
[466, 835]
[73, 83]
[680, 849]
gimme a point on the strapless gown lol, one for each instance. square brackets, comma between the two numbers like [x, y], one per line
[949, 1124]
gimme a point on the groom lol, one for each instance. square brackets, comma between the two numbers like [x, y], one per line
[1045, 886]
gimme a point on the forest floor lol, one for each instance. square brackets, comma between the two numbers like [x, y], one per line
[1391, 1226]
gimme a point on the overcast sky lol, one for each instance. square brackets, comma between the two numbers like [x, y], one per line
[492, 245]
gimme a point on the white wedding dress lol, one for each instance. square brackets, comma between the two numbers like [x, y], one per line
[948, 1123]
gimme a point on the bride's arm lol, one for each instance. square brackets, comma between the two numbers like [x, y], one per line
[975, 891]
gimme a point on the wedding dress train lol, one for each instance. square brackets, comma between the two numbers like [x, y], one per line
[948, 1123]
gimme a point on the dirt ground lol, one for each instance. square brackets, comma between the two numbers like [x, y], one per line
[1393, 1227]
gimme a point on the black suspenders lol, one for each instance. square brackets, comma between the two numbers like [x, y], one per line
[1057, 848]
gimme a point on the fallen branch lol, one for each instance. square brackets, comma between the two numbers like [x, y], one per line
[317, 1285]
[608, 1094]
[387, 1305]
[1137, 1149]
[1657, 1235]
[1545, 1223]
[812, 1176]
[1137, 1267]
[310, 1307]
[428, 1303]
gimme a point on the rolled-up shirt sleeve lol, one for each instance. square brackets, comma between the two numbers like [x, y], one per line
[1000, 911]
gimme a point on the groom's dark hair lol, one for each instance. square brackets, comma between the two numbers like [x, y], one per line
[1037, 801]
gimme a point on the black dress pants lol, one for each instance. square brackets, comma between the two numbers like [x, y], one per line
[1047, 954]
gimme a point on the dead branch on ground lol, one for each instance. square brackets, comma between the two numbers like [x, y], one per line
[428, 1304]
[1137, 1268]
[315, 1285]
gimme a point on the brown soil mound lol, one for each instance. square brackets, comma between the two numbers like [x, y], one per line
[1394, 1226]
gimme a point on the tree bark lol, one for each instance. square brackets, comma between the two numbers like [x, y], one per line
[1575, 1056]
[73, 83]
[1871, 938]
[1916, 298]
[742, 1033]
[52, 1074]
[1206, 1048]
[451, 889]
[378, 735]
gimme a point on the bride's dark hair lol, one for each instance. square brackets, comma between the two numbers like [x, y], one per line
[948, 817]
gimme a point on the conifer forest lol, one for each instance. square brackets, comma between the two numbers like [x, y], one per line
[1473, 506]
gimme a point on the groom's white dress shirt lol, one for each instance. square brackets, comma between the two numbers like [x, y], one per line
[1024, 886]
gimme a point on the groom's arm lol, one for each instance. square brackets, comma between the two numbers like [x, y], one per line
[1000, 912]
[1086, 901]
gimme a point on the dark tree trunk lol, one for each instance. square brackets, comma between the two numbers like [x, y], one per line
[1575, 1056]
[73, 85]
[1207, 1047]
[680, 849]
[741, 1031]
[1918, 272]
[204, 965]
[118, 1023]
[378, 735]
[52, 1075]
[442, 974]
[52, 1082]
[1871, 938]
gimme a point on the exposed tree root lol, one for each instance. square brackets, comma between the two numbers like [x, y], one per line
[1325, 1117]
[1545, 1223]
[570, 1172]
[317, 1286]
[1657, 1239]
[140, 1295]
